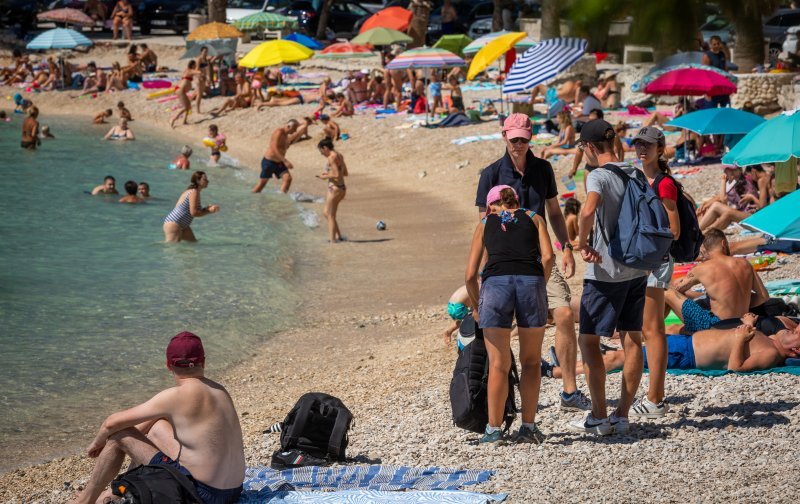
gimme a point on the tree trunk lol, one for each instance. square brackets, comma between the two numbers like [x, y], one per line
[323, 19]
[497, 16]
[551, 20]
[418, 29]
[217, 10]
[749, 41]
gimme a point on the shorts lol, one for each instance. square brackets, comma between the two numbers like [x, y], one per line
[208, 494]
[785, 246]
[271, 168]
[457, 311]
[696, 318]
[680, 352]
[505, 297]
[610, 306]
[661, 277]
[558, 294]
[458, 102]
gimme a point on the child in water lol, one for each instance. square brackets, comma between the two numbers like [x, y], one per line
[101, 117]
[572, 210]
[219, 143]
[124, 112]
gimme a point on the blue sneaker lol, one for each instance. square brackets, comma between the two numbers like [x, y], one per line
[576, 401]
[493, 437]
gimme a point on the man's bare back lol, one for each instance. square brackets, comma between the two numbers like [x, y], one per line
[728, 282]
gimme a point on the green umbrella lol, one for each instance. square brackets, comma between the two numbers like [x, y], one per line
[265, 21]
[381, 37]
[453, 43]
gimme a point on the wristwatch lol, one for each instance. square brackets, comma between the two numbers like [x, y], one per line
[568, 245]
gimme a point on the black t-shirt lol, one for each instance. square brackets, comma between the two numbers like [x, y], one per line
[537, 185]
[513, 246]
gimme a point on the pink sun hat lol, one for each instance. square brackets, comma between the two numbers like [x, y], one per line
[517, 126]
[494, 194]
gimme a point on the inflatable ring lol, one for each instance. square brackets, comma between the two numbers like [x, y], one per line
[208, 142]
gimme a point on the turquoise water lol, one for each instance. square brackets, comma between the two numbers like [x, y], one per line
[90, 296]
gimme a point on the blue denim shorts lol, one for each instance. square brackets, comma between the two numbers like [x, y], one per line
[506, 296]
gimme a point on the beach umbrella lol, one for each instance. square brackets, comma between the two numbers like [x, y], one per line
[59, 38]
[691, 82]
[346, 50]
[453, 43]
[718, 121]
[543, 62]
[778, 220]
[479, 43]
[215, 30]
[304, 40]
[381, 37]
[396, 18]
[492, 51]
[66, 16]
[774, 141]
[265, 21]
[655, 73]
[275, 52]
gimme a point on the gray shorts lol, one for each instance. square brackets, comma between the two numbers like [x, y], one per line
[506, 297]
[661, 277]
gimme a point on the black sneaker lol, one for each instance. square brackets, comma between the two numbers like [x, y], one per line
[528, 435]
[547, 369]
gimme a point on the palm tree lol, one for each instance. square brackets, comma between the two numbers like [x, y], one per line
[746, 15]
[551, 19]
[418, 29]
[323, 19]
[217, 10]
[497, 16]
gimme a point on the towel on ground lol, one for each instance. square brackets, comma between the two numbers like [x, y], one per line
[792, 370]
[371, 497]
[476, 138]
[453, 120]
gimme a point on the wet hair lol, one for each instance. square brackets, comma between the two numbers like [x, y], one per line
[194, 183]
[109, 112]
[120, 104]
[186, 151]
[213, 128]
[109, 177]
[572, 207]
[131, 187]
[33, 111]
[325, 142]
[598, 113]
[714, 238]
[508, 198]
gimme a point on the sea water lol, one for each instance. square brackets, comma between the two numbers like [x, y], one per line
[90, 295]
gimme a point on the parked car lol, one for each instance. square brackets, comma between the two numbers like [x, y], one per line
[791, 44]
[480, 28]
[776, 27]
[344, 16]
[719, 26]
[166, 14]
[237, 9]
[20, 13]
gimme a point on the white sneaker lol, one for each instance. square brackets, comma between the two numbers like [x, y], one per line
[646, 409]
[619, 425]
[591, 425]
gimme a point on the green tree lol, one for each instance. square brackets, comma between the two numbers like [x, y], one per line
[217, 10]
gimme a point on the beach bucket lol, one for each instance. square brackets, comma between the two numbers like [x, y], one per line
[569, 183]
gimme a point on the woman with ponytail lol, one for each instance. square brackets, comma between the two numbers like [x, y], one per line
[649, 144]
[177, 223]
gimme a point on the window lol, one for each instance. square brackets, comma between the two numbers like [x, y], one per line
[788, 20]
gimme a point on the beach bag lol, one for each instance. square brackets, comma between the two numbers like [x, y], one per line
[641, 239]
[468, 387]
[317, 425]
[155, 484]
[687, 247]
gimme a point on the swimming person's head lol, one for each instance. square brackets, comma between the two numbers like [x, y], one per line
[199, 180]
[123, 123]
[186, 151]
[185, 354]
[572, 207]
[213, 130]
[131, 187]
[46, 131]
[502, 197]
[109, 183]
[33, 112]
[325, 146]
[144, 189]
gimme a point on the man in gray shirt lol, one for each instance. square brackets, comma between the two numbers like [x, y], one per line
[588, 103]
[613, 294]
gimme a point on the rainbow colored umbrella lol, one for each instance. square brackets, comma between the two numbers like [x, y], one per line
[346, 50]
[425, 57]
[396, 18]
[480, 42]
[691, 82]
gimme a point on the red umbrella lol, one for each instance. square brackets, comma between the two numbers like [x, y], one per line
[345, 49]
[396, 18]
[691, 82]
[66, 16]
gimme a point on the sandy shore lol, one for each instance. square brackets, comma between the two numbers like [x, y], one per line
[369, 330]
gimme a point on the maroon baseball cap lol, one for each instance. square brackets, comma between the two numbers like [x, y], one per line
[185, 350]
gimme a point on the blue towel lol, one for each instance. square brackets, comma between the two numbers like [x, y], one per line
[373, 497]
[793, 370]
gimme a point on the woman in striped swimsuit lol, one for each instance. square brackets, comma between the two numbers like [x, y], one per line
[177, 223]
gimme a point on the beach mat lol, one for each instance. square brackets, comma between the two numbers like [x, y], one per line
[476, 138]
[372, 497]
[783, 287]
[792, 370]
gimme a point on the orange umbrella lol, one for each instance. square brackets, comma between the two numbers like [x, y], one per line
[395, 18]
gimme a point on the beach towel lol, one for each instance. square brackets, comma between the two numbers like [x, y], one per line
[453, 120]
[371, 497]
[783, 287]
[792, 370]
[480, 86]
[476, 138]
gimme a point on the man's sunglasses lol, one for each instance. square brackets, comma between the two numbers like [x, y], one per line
[519, 140]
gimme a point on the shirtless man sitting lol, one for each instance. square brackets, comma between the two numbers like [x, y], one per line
[731, 283]
[242, 99]
[743, 348]
[275, 163]
[192, 427]
[96, 80]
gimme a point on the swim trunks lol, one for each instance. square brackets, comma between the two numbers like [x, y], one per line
[680, 351]
[209, 494]
[271, 169]
[696, 318]
[457, 311]
[458, 102]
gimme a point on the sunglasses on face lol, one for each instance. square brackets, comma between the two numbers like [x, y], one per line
[518, 140]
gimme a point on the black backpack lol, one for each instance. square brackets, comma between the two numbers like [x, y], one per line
[468, 388]
[155, 484]
[687, 247]
[317, 425]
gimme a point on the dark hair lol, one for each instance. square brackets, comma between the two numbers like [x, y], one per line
[715, 37]
[325, 142]
[109, 177]
[572, 207]
[131, 187]
[120, 104]
[16, 53]
[194, 183]
[145, 184]
[191, 65]
[109, 111]
[143, 46]
[755, 167]
[714, 238]
[664, 166]
[132, 49]
[607, 144]
[597, 112]
[508, 198]
[214, 128]
[585, 89]
[339, 95]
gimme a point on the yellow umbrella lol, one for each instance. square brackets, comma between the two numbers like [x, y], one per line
[492, 51]
[215, 30]
[275, 52]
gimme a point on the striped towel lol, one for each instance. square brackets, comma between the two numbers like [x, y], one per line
[476, 138]
[373, 497]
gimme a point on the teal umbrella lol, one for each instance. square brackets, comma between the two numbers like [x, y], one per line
[774, 141]
[718, 121]
[780, 219]
[59, 38]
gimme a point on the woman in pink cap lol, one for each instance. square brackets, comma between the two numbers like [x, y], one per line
[520, 259]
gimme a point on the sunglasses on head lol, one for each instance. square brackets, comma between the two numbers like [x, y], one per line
[518, 140]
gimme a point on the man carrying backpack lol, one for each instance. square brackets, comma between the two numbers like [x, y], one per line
[192, 427]
[613, 293]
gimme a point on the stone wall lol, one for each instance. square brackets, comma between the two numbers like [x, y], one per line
[789, 97]
[764, 90]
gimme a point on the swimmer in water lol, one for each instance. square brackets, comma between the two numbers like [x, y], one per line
[219, 143]
[182, 162]
[109, 186]
[144, 190]
[131, 188]
[120, 132]
[177, 225]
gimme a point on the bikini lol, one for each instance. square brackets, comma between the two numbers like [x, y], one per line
[181, 214]
[331, 185]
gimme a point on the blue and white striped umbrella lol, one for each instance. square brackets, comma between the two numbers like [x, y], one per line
[59, 38]
[543, 62]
